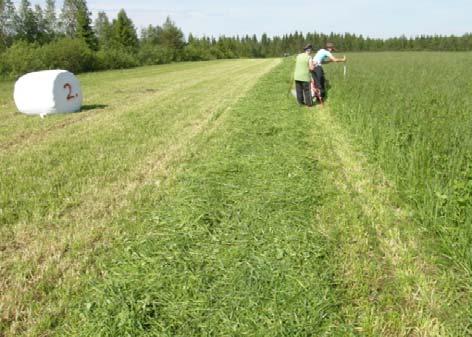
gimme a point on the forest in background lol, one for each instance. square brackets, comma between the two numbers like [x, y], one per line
[34, 38]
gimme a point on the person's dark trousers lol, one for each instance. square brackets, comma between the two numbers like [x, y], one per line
[303, 93]
[320, 81]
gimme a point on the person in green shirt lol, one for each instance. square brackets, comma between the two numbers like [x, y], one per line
[302, 76]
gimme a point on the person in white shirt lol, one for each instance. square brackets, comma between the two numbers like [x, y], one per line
[323, 56]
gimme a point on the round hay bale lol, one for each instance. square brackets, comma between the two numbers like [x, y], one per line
[48, 92]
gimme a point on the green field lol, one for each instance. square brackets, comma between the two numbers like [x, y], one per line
[197, 199]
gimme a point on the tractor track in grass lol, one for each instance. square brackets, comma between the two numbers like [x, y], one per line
[83, 229]
[392, 287]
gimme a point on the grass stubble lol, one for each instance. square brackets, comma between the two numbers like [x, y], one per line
[60, 194]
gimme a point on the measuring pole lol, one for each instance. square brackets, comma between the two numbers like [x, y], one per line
[345, 67]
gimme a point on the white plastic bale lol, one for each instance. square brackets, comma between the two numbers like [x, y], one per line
[48, 92]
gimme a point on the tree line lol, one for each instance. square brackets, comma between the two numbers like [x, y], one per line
[33, 38]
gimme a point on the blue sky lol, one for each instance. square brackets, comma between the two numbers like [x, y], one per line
[367, 17]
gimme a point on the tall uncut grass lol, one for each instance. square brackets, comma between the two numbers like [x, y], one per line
[413, 114]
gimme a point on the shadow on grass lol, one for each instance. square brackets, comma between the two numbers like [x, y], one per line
[93, 107]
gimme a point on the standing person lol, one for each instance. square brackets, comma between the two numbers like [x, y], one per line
[323, 56]
[302, 76]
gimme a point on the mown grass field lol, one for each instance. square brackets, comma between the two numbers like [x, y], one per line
[199, 200]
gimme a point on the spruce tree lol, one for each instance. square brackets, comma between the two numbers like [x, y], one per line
[84, 26]
[124, 33]
[76, 22]
[103, 30]
[172, 38]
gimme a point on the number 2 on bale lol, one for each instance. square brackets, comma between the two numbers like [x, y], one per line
[70, 96]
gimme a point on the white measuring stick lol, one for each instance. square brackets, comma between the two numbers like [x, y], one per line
[345, 70]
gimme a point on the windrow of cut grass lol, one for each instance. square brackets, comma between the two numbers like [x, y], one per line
[66, 176]
[229, 247]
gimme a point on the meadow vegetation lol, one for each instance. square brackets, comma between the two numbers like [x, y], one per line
[199, 199]
[412, 113]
